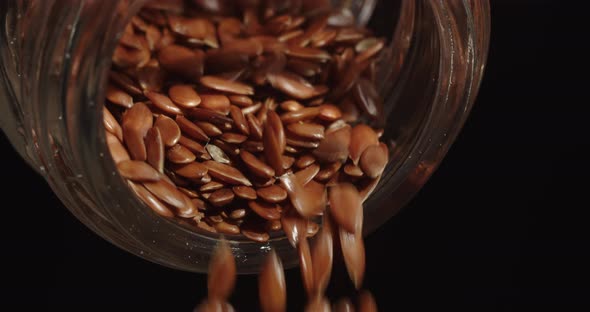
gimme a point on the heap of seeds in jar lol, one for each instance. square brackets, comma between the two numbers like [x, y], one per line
[249, 118]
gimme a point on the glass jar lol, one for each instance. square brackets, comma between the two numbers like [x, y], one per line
[55, 60]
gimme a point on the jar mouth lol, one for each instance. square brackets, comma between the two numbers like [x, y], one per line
[422, 139]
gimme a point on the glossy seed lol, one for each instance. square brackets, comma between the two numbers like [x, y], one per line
[184, 96]
[150, 200]
[307, 130]
[353, 251]
[307, 174]
[192, 145]
[306, 266]
[306, 203]
[237, 214]
[163, 103]
[155, 149]
[215, 102]
[256, 166]
[265, 210]
[317, 25]
[226, 173]
[206, 227]
[189, 210]
[136, 123]
[329, 112]
[168, 129]
[324, 38]
[292, 85]
[138, 171]
[261, 182]
[257, 235]
[272, 194]
[198, 28]
[179, 154]
[271, 285]
[346, 207]
[255, 127]
[200, 204]
[221, 197]
[353, 171]
[150, 78]
[313, 54]
[191, 129]
[211, 116]
[190, 193]
[291, 106]
[240, 100]
[361, 137]
[253, 146]
[304, 68]
[294, 226]
[193, 171]
[168, 194]
[211, 186]
[221, 277]
[233, 138]
[334, 147]
[245, 192]
[224, 85]
[227, 228]
[126, 83]
[328, 172]
[274, 142]
[239, 119]
[322, 254]
[300, 115]
[117, 150]
[288, 162]
[209, 129]
[118, 96]
[374, 160]
[111, 124]
[305, 161]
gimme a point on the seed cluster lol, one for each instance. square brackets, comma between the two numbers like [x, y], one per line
[249, 117]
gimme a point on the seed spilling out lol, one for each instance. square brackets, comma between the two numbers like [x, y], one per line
[271, 285]
[222, 272]
[353, 251]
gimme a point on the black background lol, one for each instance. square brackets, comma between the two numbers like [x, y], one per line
[500, 226]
